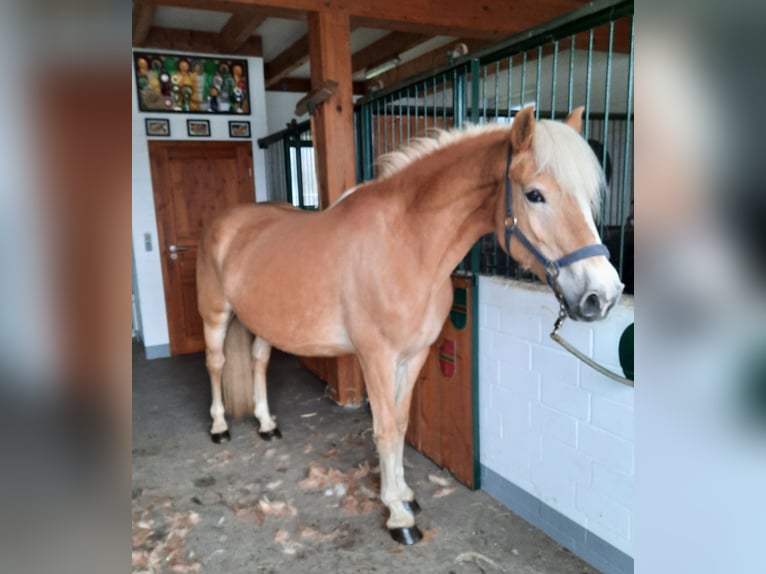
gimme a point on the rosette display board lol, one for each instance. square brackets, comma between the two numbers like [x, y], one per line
[188, 84]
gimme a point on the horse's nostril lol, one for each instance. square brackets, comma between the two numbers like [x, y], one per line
[590, 305]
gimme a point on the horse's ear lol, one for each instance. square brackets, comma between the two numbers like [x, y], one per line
[574, 119]
[523, 128]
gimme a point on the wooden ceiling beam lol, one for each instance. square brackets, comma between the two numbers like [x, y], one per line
[143, 14]
[270, 11]
[428, 61]
[288, 60]
[491, 19]
[195, 41]
[239, 27]
[384, 49]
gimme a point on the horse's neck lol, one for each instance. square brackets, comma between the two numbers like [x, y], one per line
[452, 201]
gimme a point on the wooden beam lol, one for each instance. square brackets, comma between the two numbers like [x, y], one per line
[290, 59]
[239, 27]
[428, 61]
[273, 11]
[143, 14]
[194, 41]
[333, 136]
[438, 57]
[384, 49]
[303, 86]
[490, 18]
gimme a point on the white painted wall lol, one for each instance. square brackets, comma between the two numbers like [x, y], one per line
[549, 423]
[281, 108]
[147, 264]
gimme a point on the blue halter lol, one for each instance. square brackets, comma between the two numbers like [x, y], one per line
[552, 268]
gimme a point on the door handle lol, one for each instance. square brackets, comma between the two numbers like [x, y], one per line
[177, 248]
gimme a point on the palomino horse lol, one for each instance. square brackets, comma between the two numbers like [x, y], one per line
[371, 274]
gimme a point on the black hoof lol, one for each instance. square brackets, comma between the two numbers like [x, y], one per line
[271, 434]
[219, 437]
[407, 536]
[411, 506]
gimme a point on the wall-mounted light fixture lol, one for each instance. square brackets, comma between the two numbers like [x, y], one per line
[382, 68]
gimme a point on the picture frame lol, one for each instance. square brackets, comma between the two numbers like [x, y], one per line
[239, 129]
[198, 128]
[191, 84]
[157, 127]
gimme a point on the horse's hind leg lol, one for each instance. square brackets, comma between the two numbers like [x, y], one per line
[261, 354]
[215, 325]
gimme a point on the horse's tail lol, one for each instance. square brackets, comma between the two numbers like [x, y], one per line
[238, 371]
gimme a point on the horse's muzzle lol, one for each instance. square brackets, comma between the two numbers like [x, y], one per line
[594, 305]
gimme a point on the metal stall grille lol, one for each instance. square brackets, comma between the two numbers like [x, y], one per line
[290, 169]
[582, 58]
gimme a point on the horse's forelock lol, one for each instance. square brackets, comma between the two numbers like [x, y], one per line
[566, 156]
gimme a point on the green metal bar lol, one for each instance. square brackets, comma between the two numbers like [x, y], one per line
[570, 95]
[588, 75]
[605, 136]
[444, 100]
[436, 125]
[299, 173]
[385, 126]
[474, 262]
[417, 124]
[497, 89]
[367, 142]
[554, 74]
[425, 110]
[288, 170]
[409, 135]
[626, 151]
[483, 91]
[510, 85]
[538, 81]
[523, 95]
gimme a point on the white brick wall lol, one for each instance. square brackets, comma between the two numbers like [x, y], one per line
[548, 423]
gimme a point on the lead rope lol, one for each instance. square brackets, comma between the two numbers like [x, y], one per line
[584, 358]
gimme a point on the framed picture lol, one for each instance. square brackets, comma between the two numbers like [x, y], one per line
[158, 127]
[239, 129]
[198, 128]
[182, 83]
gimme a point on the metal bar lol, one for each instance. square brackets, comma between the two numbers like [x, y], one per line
[554, 74]
[276, 137]
[588, 75]
[570, 95]
[483, 91]
[409, 135]
[288, 170]
[299, 173]
[497, 89]
[523, 95]
[510, 84]
[538, 81]
[626, 151]
[385, 126]
[607, 93]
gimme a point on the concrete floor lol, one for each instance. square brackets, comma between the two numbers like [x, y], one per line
[242, 506]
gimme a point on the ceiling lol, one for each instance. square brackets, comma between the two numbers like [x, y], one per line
[276, 30]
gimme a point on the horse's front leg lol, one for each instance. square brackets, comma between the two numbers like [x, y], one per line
[407, 375]
[379, 373]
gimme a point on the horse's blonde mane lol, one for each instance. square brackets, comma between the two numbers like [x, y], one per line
[558, 149]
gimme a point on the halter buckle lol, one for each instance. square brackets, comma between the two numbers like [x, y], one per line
[552, 270]
[511, 222]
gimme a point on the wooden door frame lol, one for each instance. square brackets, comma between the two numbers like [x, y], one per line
[158, 175]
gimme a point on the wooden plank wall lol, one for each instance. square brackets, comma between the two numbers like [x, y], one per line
[441, 415]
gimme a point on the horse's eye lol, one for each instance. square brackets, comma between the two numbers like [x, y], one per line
[535, 196]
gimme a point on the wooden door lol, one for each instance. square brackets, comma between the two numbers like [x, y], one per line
[442, 412]
[192, 182]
